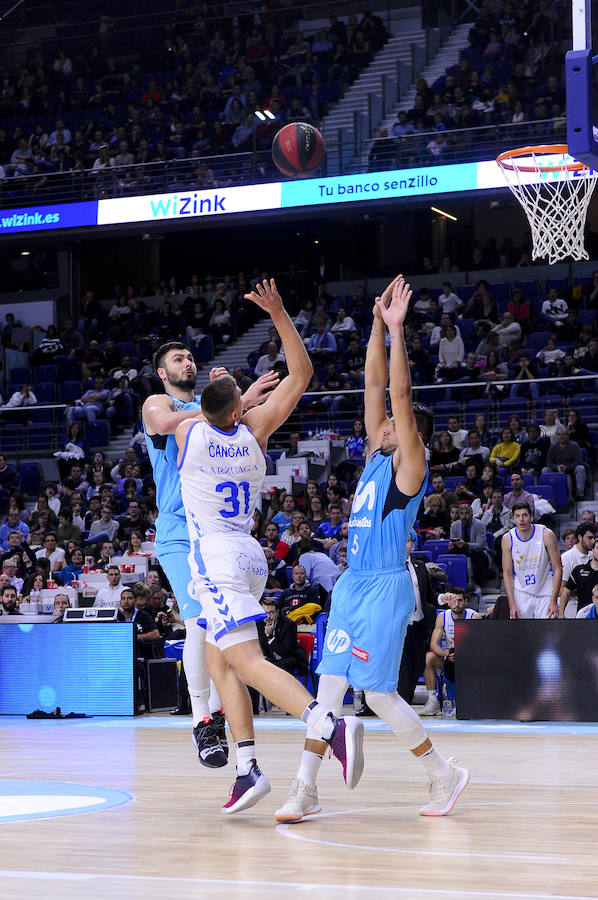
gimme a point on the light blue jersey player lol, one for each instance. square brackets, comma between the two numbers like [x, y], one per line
[162, 413]
[373, 600]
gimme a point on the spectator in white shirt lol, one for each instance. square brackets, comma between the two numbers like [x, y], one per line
[9, 568]
[344, 324]
[451, 352]
[581, 552]
[110, 595]
[22, 397]
[266, 362]
[507, 330]
[422, 304]
[458, 434]
[448, 300]
[439, 331]
[554, 308]
[550, 354]
[52, 551]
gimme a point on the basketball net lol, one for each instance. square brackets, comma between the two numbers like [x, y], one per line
[555, 191]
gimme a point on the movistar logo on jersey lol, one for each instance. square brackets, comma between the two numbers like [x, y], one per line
[363, 494]
[225, 450]
[364, 522]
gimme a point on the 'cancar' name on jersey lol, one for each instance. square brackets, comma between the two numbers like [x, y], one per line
[225, 450]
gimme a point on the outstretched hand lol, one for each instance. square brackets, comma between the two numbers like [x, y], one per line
[394, 313]
[385, 298]
[254, 394]
[266, 296]
[217, 372]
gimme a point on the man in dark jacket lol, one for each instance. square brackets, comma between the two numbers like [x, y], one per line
[420, 628]
[278, 640]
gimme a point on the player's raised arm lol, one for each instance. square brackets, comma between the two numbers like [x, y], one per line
[265, 419]
[160, 416]
[376, 374]
[410, 455]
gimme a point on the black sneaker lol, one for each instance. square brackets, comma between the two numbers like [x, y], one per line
[220, 723]
[205, 737]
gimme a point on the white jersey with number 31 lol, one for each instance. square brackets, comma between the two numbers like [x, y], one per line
[221, 479]
[532, 569]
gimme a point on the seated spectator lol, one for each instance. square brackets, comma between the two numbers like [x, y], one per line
[434, 522]
[20, 549]
[337, 382]
[278, 640]
[344, 324]
[551, 424]
[133, 521]
[439, 331]
[520, 309]
[591, 610]
[134, 544]
[329, 532]
[316, 512]
[474, 451]
[104, 528]
[73, 568]
[102, 561]
[9, 568]
[272, 541]
[20, 399]
[554, 309]
[10, 603]
[468, 536]
[356, 442]
[444, 456]
[483, 502]
[448, 497]
[441, 655]
[451, 354]
[319, 568]
[66, 530]
[59, 606]
[300, 592]
[277, 579]
[284, 518]
[93, 404]
[506, 453]
[322, 346]
[525, 376]
[52, 552]
[458, 434]
[448, 300]
[110, 595]
[507, 330]
[518, 494]
[550, 356]
[581, 552]
[291, 535]
[516, 426]
[568, 540]
[33, 586]
[497, 519]
[145, 627]
[493, 372]
[304, 532]
[579, 431]
[565, 456]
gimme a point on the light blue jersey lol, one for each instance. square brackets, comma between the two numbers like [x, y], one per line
[171, 525]
[373, 600]
[381, 518]
[172, 534]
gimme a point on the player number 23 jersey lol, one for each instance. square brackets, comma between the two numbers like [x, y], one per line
[221, 478]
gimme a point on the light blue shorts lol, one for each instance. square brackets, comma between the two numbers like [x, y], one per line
[176, 567]
[367, 626]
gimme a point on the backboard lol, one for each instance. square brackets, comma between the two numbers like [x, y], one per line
[580, 74]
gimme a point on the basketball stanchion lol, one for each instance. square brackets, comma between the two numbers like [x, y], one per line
[555, 191]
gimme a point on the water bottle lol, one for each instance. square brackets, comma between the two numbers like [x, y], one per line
[448, 705]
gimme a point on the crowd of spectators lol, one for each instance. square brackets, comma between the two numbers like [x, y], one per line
[188, 93]
[511, 74]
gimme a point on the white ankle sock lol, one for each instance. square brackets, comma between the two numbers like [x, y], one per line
[309, 768]
[431, 695]
[434, 763]
[245, 755]
[319, 719]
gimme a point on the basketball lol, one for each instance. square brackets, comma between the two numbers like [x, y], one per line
[298, 149]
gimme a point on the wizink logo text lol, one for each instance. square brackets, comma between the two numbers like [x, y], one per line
[188, 205]
[26, 220]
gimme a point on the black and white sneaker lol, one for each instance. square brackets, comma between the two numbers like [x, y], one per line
[205, 737]
[220, 723]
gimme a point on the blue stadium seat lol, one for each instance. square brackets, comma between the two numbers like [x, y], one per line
[451, 481]
[19, 376]
[425, 555]
[544, 490]
[558, 480]
[537, 340]
[39, 416]
[96, 433]
[529, 288]
[561, 284]
[71, 390]
[45, 391]
[11, 438]
[436, 547]
[30, 476]
[46, 373]
[40, 438]
[456, 568]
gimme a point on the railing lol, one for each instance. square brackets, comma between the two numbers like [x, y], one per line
[256, 166]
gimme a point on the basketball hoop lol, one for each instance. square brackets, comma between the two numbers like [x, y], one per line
[555, 191]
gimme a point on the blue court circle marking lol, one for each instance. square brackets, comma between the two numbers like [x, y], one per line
[23, 799]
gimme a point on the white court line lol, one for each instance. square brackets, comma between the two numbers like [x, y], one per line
[365, 890]
[292, 831]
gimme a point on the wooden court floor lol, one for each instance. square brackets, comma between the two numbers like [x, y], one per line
[526, 827]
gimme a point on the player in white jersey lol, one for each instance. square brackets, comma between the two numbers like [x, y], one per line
[221, 470]
[531, 567]
[161, 414]
[441, 654]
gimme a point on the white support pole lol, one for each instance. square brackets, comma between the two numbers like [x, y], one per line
[581, 11]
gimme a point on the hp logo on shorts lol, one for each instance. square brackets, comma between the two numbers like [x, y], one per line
[337, 640]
